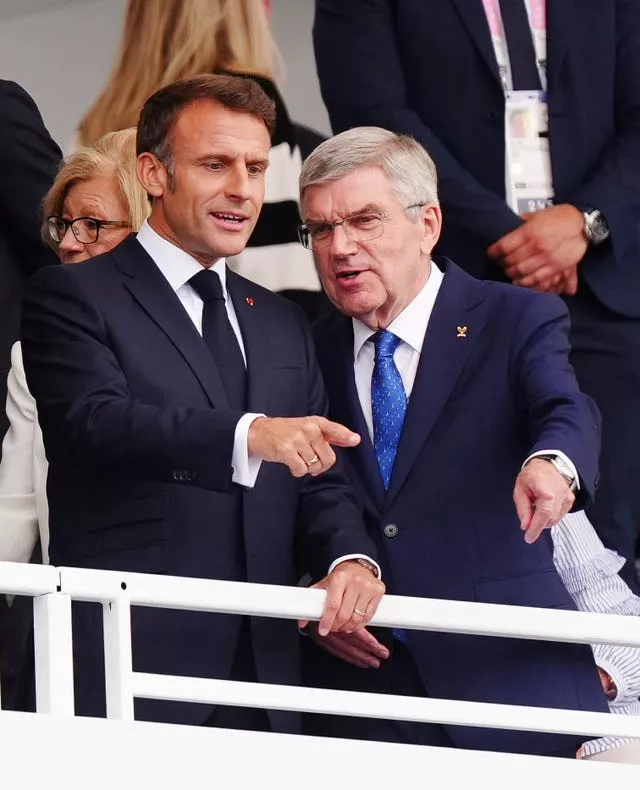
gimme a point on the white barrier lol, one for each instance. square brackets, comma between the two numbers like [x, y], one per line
[54, 589]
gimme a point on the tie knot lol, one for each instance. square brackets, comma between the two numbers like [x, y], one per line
[207, 285]
[385, 342]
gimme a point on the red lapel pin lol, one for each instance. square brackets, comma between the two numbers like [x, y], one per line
[250, 301]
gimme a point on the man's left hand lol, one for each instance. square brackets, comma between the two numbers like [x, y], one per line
[353, 595]
[545, 251]
[542, 497]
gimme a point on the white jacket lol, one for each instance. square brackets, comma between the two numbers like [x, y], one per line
[23, 473]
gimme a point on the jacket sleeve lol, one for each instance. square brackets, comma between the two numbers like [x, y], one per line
[612, 185]
[18, 512]
[555, 412]
[29, 160]
[361, 77]
[330, 520]
[86, 409]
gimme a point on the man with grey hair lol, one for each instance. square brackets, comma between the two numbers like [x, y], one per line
[459, 388]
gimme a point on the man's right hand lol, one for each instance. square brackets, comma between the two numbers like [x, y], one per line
[301, 443]
[359, 648]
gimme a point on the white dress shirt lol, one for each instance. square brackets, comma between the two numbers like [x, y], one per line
[179, 267]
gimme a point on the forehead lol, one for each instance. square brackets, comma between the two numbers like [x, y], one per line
[92, 195]
[364, 186]
[205, 125]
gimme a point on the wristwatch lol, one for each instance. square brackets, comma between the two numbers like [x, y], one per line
[368, 565]
[563, 467]
[596, 228]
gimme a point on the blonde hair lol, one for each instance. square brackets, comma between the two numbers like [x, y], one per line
[169, 40]
[114, 154]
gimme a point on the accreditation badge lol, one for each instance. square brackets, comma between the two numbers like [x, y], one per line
[529, 184]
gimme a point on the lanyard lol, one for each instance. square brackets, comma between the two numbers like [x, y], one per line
[537, 13]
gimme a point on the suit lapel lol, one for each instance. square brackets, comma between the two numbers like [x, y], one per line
[456, 323]
[345, 409]
[155, 296]
[249, 311]
[474, 19]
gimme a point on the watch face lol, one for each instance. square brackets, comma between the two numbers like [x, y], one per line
[598, 228]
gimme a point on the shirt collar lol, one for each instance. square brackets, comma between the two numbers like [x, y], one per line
[175, 264]
[411, 324]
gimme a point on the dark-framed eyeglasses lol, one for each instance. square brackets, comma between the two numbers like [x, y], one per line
[364, 226]
[85, 229]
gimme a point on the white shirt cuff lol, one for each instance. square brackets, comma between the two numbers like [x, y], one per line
[245, 468]
[346, 557]
[564, 457]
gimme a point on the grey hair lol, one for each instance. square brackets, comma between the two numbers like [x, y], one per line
[405, 162]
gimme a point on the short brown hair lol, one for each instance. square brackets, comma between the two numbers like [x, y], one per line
[161, 111]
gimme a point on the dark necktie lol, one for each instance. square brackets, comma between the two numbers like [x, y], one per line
[220, 338]
[388, 402]
[522, 54]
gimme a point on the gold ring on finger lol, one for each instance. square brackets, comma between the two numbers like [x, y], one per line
[312, 461]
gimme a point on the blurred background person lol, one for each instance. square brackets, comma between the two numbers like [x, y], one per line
[184, 38]
[29, 159]
[94, 203]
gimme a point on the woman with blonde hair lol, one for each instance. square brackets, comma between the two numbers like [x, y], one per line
[167, 40]
[94, 203]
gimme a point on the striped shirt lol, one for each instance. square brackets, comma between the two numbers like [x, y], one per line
[589, 571]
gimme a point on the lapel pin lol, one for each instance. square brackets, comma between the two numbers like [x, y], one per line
[249, 301]
[462, 331]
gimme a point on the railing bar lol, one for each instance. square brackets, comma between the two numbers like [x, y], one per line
[383, 706]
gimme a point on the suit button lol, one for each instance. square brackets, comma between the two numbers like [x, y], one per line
[180, 475]
[390, 531]
[192, 476]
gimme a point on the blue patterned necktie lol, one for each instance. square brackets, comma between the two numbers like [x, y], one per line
[388, 407]
[388, 402]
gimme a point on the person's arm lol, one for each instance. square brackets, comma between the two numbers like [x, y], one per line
[29, 160]
[589, 571]
[555, 413]
[86, 409]
[18, 512]
[362, 82]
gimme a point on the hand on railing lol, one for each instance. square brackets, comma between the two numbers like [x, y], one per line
[353, 596]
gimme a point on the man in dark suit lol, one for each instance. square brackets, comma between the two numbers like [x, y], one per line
[29, 159]
[434, 70]
[459, 388]
[153, 368]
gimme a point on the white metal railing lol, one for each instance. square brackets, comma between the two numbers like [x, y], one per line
[53, 590]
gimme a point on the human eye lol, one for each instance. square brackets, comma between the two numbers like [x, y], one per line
[364, 220]
[319, 230]
[90, 224]
[214, 165]
[256, 169]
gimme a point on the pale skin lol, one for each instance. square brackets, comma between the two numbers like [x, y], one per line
[101, 199]
[374, 281]
[208, 205]
[544, 252]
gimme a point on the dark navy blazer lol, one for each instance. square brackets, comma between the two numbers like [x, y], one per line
[480, 404]
[427, 68]
[139, 436]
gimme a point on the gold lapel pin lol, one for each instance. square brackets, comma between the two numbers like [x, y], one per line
[462, 331]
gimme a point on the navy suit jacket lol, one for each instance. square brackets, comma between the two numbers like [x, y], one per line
[480, 405]
[139, 437]
[427, 68]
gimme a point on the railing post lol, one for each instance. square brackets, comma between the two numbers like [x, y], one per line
[118, 659]
[53, 654]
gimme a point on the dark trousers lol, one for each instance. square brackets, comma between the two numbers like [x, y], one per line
[606, 357]
[398, 675]
[233, 717]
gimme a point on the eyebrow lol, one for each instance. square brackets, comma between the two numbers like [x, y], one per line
[368, 209]
[226, 158]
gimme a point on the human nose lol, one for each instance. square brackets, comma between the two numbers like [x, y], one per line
[341, 244]
[238, 185]
[69, 243]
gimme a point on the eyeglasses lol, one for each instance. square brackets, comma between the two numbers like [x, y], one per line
[85, 229]
[364, 226]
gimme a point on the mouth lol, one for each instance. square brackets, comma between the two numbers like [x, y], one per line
[350, 275]
[230, 220]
